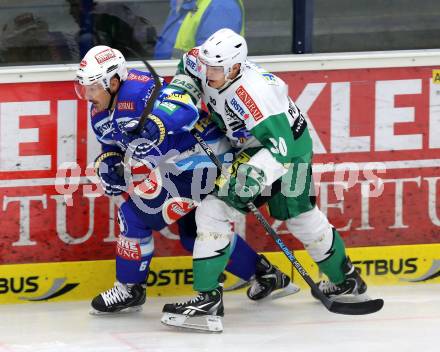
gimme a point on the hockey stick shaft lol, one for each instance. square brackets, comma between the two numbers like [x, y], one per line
[335, 307]
[150, 103]
[154, 94]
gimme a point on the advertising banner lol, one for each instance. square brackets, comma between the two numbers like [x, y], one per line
[172, 276]
[376, 155]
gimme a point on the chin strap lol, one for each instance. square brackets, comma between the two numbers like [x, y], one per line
[229, 81]
[113, 96]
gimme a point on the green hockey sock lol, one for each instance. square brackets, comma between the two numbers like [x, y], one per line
[208, 270]
[332, 266]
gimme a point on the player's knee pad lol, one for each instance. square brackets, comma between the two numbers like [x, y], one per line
[214, 215]
[211, 244]
[313, 229]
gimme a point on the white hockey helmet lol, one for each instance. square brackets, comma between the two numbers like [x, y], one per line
[224, 48]
[98, 67]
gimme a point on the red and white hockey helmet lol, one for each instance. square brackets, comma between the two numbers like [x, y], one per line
[98, 67]
[224, 48]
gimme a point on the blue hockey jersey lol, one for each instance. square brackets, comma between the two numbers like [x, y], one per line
[131, 101]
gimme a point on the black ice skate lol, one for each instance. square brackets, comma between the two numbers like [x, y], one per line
[121, 298]
[203, 312]
[270, 281]
[352, 289]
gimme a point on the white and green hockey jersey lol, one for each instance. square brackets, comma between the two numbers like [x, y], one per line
[255, 110]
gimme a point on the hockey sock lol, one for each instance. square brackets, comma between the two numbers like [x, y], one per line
[243, 259]
[133, 257]
[332, 265]
[208, 270]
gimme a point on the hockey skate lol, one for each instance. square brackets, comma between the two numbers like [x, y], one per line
[203, 312]
[270, 282]
[351, 290]
[121, 298]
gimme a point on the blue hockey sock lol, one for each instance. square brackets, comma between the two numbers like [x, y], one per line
[243, 259]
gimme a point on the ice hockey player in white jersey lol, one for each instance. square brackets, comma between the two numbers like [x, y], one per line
[254, 110]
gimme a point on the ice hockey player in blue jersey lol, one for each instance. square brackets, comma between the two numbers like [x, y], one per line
[180, 173]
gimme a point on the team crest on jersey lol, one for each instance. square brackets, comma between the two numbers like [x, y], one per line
[173, 209]
[135, 77]
[126, 105]
[104, 56]
[249, 103]
[151, 187]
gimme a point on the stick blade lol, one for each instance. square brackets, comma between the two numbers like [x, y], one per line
[358, 308]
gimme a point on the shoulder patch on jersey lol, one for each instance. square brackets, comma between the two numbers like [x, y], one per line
[135, 77]
[126, 105]
[245, 97]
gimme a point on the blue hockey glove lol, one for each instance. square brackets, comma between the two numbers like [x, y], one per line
[110, 170]
[152, 134]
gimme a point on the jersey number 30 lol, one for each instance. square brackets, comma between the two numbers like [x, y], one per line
[279, 147]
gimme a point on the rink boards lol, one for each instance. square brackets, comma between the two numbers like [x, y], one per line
[171, 276]
[374, 119]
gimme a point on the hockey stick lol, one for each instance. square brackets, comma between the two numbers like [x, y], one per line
[154, 94]
[150, 103]
[354, 308]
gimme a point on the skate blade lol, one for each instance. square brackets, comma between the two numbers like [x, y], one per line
[207, 323]
[290, 289]
[351, 298]
[128, 310]
[238, 285]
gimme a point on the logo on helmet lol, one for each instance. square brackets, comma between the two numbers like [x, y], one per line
[104, 56]
[83, 63]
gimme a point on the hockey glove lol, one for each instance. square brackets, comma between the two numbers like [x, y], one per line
[244, 187]
[152, 134]
[109, 168]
